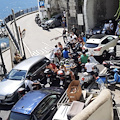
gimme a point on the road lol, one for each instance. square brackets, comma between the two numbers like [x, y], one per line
[36, 40]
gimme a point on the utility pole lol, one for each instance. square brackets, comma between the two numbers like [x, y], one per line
[3, 65]
[16, 28]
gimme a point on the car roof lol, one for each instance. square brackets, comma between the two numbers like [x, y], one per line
[28, 63]
[29, 101]
[58, 15]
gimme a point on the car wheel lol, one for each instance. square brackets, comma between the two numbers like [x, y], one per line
[104, 55]
[53, 25]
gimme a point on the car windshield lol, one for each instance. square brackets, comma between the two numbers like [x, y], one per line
[91, 45]
[16, 74]
[18, 116]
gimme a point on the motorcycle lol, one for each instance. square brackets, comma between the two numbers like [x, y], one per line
[112, 75]
[88, 79]
[52, 80]
[112, 53]
[64, 79]
[37, 20]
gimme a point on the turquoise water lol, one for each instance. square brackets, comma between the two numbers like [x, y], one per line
[16, 5]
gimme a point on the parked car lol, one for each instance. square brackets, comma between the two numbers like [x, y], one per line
[37, 105]
[9, 86]
[99, 27]
[99, 44]
[55, 21]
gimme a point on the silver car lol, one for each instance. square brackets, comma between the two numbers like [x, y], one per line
[15, 79]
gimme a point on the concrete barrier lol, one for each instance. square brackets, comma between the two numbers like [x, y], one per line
[99, 109]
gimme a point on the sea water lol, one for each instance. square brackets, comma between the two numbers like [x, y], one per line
[16, 5]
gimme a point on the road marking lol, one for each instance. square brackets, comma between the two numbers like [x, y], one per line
[27, 48]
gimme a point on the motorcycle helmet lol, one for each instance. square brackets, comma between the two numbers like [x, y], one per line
[66, 61]
[62, 63]
[47, 62]
[60, 73]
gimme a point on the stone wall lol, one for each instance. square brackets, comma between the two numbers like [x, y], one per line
[97, 10]
[57, 6]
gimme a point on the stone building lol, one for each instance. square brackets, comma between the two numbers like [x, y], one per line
[93, 11]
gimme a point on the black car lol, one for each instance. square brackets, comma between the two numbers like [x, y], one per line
[99, 27]
[37, 105]
[55, 21]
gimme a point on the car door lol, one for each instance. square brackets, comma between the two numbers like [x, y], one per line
[58, 21]
[37, 71]
[105, 45]
[46, 109]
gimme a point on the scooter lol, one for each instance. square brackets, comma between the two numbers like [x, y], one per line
[111, 77]
[112, 53]
[64, 79]
[52, 80]
[87, 79]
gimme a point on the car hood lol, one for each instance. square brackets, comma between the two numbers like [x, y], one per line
[9, 86]
[49, 21]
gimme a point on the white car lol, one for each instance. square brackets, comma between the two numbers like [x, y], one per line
[98, 45]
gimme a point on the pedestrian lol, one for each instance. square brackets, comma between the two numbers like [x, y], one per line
[89, 68]
[51, 66]
[111, 27]
[29, 83]
[65, 53]
[60, 46]
[63, 21]
[117, 32]
[74, 29]
[17, 58]
[84, 57]
[64, 35]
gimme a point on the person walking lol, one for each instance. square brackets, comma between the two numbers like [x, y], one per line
[64, 35]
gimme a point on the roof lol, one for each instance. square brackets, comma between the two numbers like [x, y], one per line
[94, 41]
[28, 63]
[29, 102]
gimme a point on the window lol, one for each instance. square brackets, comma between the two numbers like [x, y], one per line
[91, 45]
[16, 74]
[37, 66]
[105, 41]
[110, 38]
[14, 115]
[45, 106]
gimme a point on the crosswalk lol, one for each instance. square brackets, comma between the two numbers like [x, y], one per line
[42, 51]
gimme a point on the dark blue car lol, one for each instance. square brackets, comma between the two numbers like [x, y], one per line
[37, 105]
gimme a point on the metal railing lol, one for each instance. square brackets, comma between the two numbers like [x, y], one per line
[19, 13]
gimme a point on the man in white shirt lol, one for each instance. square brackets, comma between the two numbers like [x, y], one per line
[89, 68]
[29, 83]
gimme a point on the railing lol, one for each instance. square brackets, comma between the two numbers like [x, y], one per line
[18, 14]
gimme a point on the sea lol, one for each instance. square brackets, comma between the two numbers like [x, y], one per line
[16, 5]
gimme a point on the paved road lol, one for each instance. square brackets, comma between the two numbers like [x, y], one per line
[36, 40]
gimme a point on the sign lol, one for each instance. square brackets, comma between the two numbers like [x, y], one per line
[80, 19]
[41, 3]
